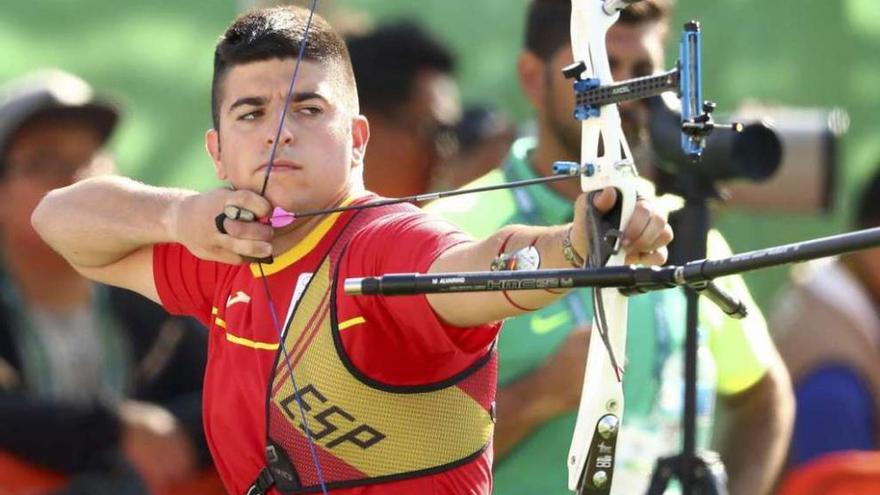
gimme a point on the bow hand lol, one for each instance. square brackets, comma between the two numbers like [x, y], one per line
[644, 239]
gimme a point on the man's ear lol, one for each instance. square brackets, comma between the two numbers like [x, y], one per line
[212, 146]
[360, 136]
[531, 71]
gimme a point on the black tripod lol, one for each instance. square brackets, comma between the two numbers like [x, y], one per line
[700, 473]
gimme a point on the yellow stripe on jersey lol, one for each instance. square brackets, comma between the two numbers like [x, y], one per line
[352, 322]
[235, 339]
[251, 343]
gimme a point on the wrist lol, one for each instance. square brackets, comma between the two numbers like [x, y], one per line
[172, 218]
[570, 253]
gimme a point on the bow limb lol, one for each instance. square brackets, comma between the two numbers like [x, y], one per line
[591, 458]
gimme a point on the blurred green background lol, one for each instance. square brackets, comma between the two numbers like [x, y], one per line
[155, 57]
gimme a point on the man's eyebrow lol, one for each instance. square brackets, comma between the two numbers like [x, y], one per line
[258, 101]
[307, 95]
[254, 101]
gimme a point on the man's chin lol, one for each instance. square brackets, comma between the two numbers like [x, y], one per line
[288, 202]
[286, 205]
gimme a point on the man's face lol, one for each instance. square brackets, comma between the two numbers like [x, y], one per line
[43, 155]
[415, 139]
[633, 51]
[320, 145]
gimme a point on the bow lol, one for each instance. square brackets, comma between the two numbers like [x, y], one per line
[606, 161]
[591, 457]
[592, 454]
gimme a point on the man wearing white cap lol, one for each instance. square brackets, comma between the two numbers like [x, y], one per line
[95, 383]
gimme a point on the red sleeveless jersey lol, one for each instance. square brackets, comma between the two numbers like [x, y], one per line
[394, 340]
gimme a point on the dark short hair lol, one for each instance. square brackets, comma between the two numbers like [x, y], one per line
[548, 21]
[387, 60]
[276, 33]
[867, 213]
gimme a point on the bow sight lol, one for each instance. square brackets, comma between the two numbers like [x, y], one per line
[685, 80]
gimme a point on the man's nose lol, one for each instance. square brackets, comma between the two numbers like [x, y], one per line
[282, 132]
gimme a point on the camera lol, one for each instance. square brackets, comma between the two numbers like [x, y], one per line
[784, 160]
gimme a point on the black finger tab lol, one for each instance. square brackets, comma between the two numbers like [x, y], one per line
[218, 222]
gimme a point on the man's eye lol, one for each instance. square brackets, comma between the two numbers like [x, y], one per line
[252, 115]
[311, 110]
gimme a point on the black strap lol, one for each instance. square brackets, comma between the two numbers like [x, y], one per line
[262, 484]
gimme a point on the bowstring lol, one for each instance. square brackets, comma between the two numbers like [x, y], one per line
[273, 312]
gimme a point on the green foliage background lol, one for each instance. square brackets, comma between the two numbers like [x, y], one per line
[155, 57]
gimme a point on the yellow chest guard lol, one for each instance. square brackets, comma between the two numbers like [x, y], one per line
[364, 432]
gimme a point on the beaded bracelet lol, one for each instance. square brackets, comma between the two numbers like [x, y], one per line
[570, 254]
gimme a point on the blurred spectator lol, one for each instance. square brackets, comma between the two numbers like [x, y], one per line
[95, 382]
[483, 138]
[541, 353]
[827, 327]
[420, 140]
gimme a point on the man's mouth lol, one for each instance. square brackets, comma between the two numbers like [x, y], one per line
[280, 166]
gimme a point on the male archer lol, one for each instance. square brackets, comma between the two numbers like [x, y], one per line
[360, 395]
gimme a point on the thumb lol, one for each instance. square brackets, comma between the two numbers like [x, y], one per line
[605, 199]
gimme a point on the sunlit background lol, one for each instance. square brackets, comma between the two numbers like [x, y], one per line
[155, 58]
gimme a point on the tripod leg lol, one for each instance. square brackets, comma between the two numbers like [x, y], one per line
[666, 468]
[709, 474]
[701, 475]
